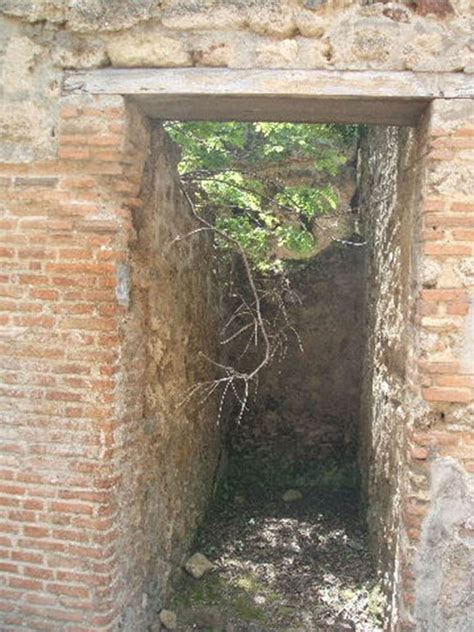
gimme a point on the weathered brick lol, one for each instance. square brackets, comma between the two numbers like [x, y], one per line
[47, 295]
[439, 367]
[442, 154]
[440, 323]
[442, 394]
[434, 438]
[465, 207]
[70, 111]
[64, 589]
[36, 182]
[420, 453]
[455, 380]
[38, 573]
[464, 452]
[35, 531]
[25, 583]
[6, 567]
[25, 556]
[432, 234]
[438, 249]
[463, 235]
[435, 204]
[71, 507]
[458, 309]
[445, 295]
[439, 8]
[74, 153]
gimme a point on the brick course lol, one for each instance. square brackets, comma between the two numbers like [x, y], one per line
[442, 428]
[64, 236]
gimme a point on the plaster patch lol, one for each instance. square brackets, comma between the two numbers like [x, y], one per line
[445, 562]
[123, 288]
[467, 359]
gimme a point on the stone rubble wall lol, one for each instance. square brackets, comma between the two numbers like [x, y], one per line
[168, 453]
[387, 185]
[417, 418]
[104, 476]
[438, 482]
[308, 402]
[42, 38]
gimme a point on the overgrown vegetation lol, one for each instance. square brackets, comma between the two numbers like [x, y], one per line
[263, 184]
[280, 565]
[261, 189]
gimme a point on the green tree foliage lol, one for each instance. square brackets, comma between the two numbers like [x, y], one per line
[241, 177]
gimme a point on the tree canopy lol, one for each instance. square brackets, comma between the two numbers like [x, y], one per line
[263, 184]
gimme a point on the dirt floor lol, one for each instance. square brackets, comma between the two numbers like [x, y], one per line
[300, 565]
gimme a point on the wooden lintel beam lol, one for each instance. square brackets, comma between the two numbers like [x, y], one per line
[322, 83]
[299, 95]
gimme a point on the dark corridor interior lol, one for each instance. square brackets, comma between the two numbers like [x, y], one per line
[286, 531]
[289, 550]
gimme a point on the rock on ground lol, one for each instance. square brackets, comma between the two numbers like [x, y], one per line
[292, 495]
[198, 565]
[169, 620]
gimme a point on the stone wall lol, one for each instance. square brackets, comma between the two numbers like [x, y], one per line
[41, 38]
[169, 445]
[417, 416]
[104, 476]
[438, 482]
[387, 189]
[308, 402]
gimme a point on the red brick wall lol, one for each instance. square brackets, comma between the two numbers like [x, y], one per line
[64, 228]
[103, 477]
[434, 574]
[417, 445]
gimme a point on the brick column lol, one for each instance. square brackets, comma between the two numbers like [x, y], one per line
[434, 551]
[65, 227]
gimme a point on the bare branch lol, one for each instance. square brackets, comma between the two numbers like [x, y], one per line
[179, 238]
[248, 375]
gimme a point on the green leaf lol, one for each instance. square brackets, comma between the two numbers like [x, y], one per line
[233, 171]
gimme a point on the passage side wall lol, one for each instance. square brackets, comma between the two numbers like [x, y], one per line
[170, 444]
[102, 476]
[388, 179]
[417, 416]
[436, 556]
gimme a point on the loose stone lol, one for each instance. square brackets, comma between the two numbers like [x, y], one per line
[292, 495]
[168, 619]
[198, 565]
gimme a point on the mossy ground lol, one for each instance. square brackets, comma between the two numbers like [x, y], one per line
[283, 566]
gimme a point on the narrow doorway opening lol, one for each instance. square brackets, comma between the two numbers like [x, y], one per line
[263, 476]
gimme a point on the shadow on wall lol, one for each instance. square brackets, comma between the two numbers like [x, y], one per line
[172, 450]
[309, 401]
